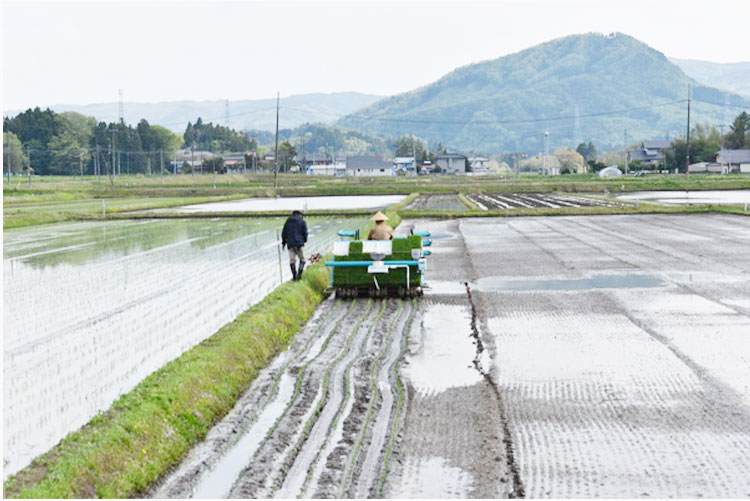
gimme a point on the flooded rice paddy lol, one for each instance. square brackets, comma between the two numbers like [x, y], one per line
[724, 197]
[90, 309]
[298, 203]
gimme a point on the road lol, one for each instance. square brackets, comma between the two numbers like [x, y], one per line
[602, 356]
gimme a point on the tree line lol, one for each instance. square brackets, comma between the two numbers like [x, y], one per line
[49, 143]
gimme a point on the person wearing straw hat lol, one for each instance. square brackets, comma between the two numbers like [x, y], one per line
[381, 231]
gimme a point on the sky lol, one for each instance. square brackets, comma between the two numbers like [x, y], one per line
[62, 52]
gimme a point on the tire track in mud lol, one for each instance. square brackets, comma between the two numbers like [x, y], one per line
[304, 416]
[518, 490]
[393, 347]
[321, 421]
[206, 458]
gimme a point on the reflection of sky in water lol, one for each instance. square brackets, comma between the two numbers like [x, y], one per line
[299, 203]
[90, 309]
[690, 197]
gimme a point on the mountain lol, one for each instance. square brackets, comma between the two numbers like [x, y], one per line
[257, 114]
[733, 77]
[580, 87]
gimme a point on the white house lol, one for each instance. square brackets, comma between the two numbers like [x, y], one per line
[735, 160]
[368, 167]
[337, 168]
[480, 166]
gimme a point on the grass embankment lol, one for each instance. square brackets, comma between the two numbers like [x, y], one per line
[49, 210]
[57, 198]
[576, 211]
[122, 451]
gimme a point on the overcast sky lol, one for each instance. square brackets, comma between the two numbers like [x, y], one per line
[76, 53]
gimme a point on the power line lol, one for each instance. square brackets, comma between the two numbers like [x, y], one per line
[523, 121]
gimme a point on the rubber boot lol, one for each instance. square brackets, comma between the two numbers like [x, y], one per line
[301, 267]
[294, 272]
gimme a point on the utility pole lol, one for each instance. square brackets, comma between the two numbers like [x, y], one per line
[192, 159]
[687, 150]
[112, 167]
[276, 148]
[10, 163]
[28, 156]
[721, 138]
[625, 146]
[161, 162]
[122, 108]
[80, 162]
[174, 165]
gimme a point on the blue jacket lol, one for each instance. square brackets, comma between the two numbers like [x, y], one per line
[294, 233]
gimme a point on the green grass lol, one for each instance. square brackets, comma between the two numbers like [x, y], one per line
[57, 198]
[17, 214]
[122, 451]
[576, 211]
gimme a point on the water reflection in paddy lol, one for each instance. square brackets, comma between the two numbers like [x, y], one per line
[298, 203]
[90, 309]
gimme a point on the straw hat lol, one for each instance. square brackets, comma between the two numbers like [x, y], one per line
[379, 216]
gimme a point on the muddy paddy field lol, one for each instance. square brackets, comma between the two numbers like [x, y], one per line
[535, 200]
[604, 356]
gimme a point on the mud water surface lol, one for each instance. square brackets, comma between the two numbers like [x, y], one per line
[553, 357]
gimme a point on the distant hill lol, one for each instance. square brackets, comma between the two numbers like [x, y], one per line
[733, 77]
[567, 86]
[257, 114]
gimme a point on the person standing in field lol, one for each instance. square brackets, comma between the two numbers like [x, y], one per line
[381, 231]
[294, 236]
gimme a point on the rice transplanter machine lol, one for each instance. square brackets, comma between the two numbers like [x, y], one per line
[379, 268]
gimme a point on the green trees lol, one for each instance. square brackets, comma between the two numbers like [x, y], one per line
[67, 143]
[69, 147]
[287, 153]
[35, 128]
[14, 159]
[739, 133]
[705, 141]
[587, 151]
[409, 145]
[215, 138]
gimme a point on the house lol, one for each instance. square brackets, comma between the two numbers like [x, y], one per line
[427, 168]
[337, 168]
[193, 158]
[405, 166]
[235, 162]
[480, 166]
[650, 153]
[323, 165]
[707, 167]
[368, 167]
[736, 161]
[451, 163]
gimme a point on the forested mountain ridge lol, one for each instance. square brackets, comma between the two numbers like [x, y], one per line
[257, 114]
[734, 77]
[580, 87]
